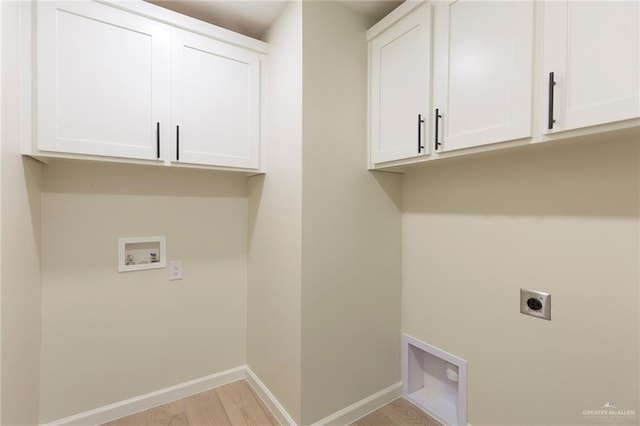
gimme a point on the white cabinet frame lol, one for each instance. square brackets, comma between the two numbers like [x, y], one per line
[36, 123]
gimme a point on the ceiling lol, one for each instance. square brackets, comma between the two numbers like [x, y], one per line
[253, 17]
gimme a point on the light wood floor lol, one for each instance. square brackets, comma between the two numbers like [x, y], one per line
[236, 404]
[397, 413]
[232, 404]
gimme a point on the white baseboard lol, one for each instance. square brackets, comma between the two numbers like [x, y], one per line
[363, 407]
[150, 400]
[153, 399]
[269, 400]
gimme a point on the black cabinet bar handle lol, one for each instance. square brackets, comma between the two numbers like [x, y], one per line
[177, 143]
[552, 83]
[420, 121]
[158, 140]
[438, 117]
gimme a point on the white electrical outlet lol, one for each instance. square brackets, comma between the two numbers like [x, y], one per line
[175, 270]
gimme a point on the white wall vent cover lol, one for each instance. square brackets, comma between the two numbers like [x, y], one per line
[435, 381]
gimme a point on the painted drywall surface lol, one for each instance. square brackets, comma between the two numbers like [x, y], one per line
[20, 246]
[351, 225]
[1, 91]
[109, 336]
[274, 274]
[560, 219]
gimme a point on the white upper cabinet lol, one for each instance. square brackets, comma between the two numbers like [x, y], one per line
[103, 77]
[483, 66]
[592, 54]
[216, 107]
[134, 82]
[399, 84]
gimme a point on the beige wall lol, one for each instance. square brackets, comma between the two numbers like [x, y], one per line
[273, 346]
[20, 291]
[351, 225]
[561, 219]
[324, 236]
[109, 336]
[2, 37]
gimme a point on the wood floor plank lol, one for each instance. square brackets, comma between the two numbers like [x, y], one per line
[266, 410]
[241, 405]
[179, 420]
[206, 409]
[163, 415]
[171, 413]
[402, 412]
[237, 404]
[374, 419]
[132, 420]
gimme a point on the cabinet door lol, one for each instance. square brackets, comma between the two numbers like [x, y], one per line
[103, 81]
[215, 103]
[593, 51]
[483, 62]
[399, 78]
